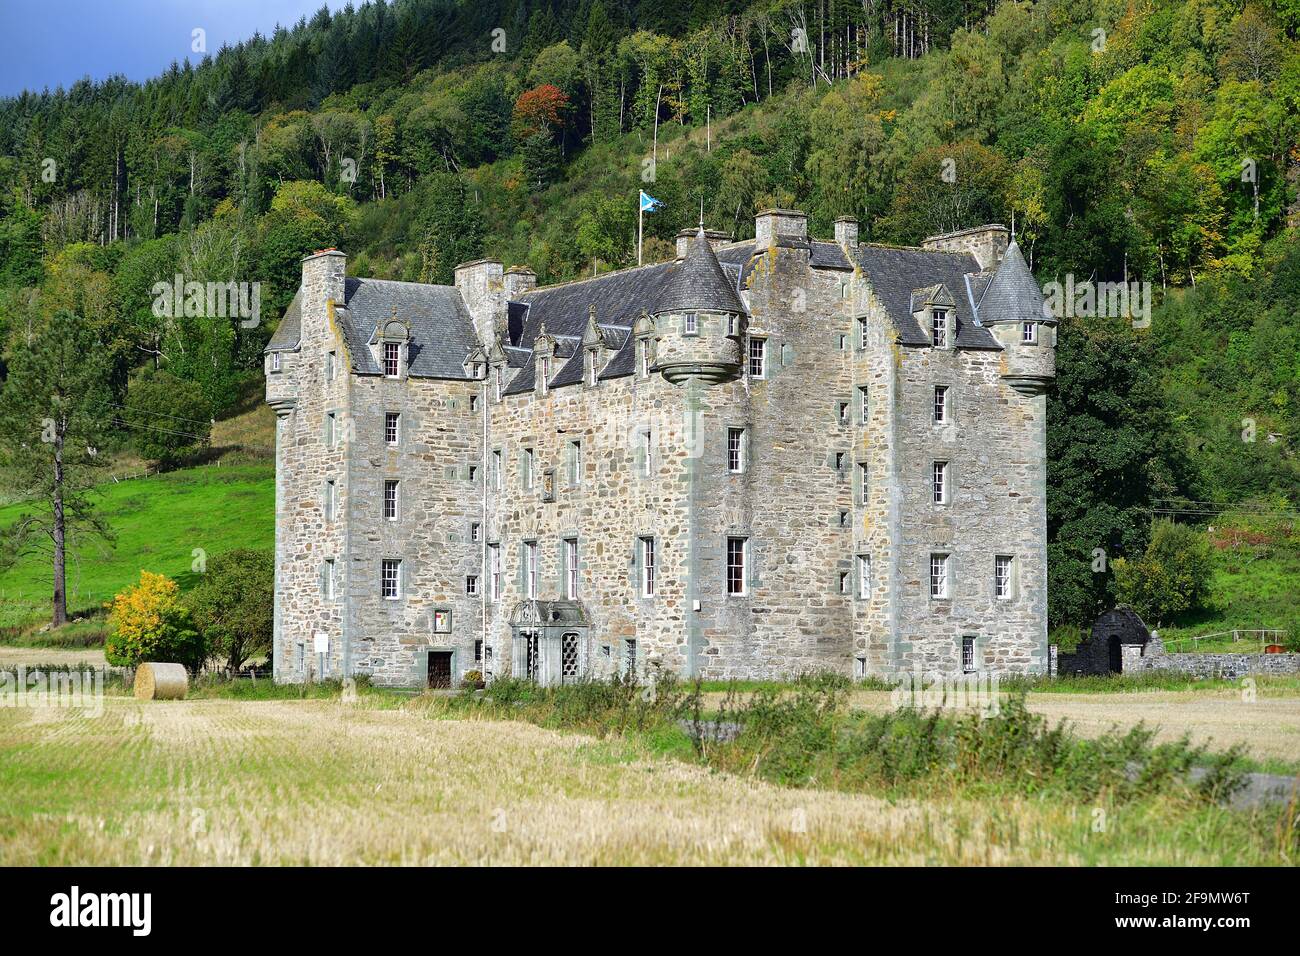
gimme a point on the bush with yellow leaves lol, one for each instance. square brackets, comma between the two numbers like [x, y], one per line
[146, 622]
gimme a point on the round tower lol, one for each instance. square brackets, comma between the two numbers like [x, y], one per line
[699, 320]
[1013, 309]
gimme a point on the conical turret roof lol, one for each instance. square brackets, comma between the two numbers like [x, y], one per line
[699, 284]
[1013, 294]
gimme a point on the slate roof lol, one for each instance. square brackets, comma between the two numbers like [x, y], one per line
[895, 273]
[1012, 294]
[442, 332]
[698, 282]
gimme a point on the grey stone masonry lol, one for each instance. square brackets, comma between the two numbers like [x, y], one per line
[762, 459]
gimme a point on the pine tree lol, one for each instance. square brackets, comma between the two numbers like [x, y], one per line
[54, 415]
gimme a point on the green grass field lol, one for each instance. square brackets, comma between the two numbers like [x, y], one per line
[159, 524]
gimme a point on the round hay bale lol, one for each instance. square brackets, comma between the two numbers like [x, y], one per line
[161, 681]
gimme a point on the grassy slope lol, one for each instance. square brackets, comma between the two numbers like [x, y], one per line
[158, 523]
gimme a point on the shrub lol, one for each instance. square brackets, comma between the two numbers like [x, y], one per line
[234, 605]
[168, 416]
[146, 622]
[1171, 578]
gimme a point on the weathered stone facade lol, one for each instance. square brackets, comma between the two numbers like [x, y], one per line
[787, 494]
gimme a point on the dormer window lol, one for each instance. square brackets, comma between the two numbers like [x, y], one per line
[496, 384]
[591, 368]
[643, 352]
[1029, 333]
[939, 327]
[544, 375]
[691, 324]
[392, 359]
[275, 361]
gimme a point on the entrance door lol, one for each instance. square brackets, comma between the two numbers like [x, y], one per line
[569, 658]
[1116, 655]
[440, 669]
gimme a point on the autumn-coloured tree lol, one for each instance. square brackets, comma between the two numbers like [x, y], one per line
[147, 622]
[539, 110]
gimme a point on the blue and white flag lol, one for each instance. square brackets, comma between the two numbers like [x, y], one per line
[649, 203]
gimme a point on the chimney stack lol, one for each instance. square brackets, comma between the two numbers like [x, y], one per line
[986, 243]
[771, 224]
[846, 231]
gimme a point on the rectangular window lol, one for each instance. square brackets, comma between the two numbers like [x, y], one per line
[442, 620]
[478, 650]
[545, 376]
[390, 578]
[575, 463]
[864, 482]
[327, 506]
[497, 470]
[390, 500]
[737, 549]
[735, 450]
[571, 568]
[940, 404]
[591, 368]
[629, 655]
[331, 430]
[526, 469]
[691, 324]
[496, 384]
[647, 453]
[471, 585]
[392, 359]
[473, 472]
[494, 571]
[275, 361]
[475, 531]
[757, 358]
[939, 583]
[862, 333]
[530, 569]
[939, 482]
[864, 576]
[473, 403]
[1002, 565]
[327, 579]
[864, 404]
[839, 461]
[939, 327]
[844, 519]
[842, 412]
[844, 582]
[968, 655]
[392, 428]
[647, 567]
[1029, 333]
[330, 359]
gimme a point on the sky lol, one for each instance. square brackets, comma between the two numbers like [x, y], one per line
[52, 43]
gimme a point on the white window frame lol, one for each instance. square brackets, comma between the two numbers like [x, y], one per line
[471, 585]
[475, 531]
[939, 413]
[940, 490]
[498, 469]
[494, 571]
[571, 569]
[646, 544]
[939, 331]
[592, 371]
[741, 587]
[646, 437]
[575, 462]
[940, 576]
[862, 332]
[275, 362]
[1004, 571]
[392, 429]
[864, 403]
[757, 358]
[496, 383]
[328, 574]
[1029, 333]
[863, 566]
[737, 452]
[394, 486]
[393, 359]
[691, 323]
[864, 481]
[545, 374]
[530, 569]
[526, 469]
[393, 565]
[968, 662]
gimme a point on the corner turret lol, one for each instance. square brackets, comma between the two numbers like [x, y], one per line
[699, 319]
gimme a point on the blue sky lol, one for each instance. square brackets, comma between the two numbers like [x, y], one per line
[51, 43]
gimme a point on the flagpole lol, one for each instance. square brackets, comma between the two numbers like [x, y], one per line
[640, 225]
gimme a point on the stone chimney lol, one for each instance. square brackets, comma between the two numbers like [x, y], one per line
[323, 276]
[482, 287]
[519, 279]
[987, 243]
[716, 238]
[773, 223]
[846, 231]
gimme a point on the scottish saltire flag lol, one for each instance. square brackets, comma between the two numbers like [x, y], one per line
[649, 203]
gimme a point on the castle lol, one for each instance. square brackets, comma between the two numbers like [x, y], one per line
[766, 457]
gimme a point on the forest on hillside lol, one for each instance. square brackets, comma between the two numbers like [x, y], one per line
[1148, 141]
